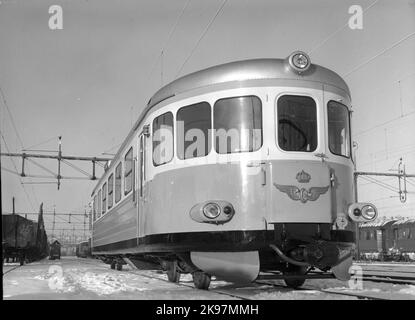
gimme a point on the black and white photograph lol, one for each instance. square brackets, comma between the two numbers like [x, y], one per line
[225, 153]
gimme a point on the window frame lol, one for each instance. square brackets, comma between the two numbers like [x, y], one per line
[350, 130]
[104, 199]
[276, 127]
[99, 202]
[94, 207]
[110, 194]
[130, 172]
[214, 128]
[210, 130]
[152, 139]
[119, 165]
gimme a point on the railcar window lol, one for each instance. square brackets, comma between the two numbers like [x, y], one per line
[193, 125]
[339, 128]
[104, 198]
[128, 175]
[110, 190]
[163, 139]
[238, 124]
[297, 123]
[99, 204]
[118, 170]
[95, 208]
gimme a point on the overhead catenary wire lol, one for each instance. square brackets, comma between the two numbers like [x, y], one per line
[169, 37]
[383, 124]
[40, 143]
[21, 182]
[11, 117]
[382, 184]
[205, 31]
[5, 103]
[339, 29]
[379, 54]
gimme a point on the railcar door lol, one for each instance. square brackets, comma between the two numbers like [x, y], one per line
[300, 187]
[141, 172]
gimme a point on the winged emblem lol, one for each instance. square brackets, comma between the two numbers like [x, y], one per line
[302, 194]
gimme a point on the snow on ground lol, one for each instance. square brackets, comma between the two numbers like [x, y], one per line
[77, 278]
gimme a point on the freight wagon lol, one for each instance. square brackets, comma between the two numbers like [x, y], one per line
[23, 240]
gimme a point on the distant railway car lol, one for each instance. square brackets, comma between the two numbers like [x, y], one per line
[376, 238]
[55, 250]
[390, 239]
[23, 240]
[236, 169]
[83, 249]
[404, 238]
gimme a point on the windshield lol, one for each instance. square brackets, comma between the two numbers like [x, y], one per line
[238, 124]
[297, 123]
[338, 127]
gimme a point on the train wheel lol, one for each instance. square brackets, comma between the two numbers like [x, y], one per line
[119, 266]
[113, 263]
[172, 273]
[201, 280]
[295, 271]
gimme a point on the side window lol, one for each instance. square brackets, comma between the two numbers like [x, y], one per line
[99, 204]
[297, 123]
[118, 170]
[163, 139]
[95, 207]
[128, 175]
[238, 124]
[193, 136]
[104, 198]
[339, 128]
[110, 190]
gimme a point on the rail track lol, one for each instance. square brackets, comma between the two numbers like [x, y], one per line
[11, 269]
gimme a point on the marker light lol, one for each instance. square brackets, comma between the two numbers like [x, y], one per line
[211, 210]
[299, 61]
[362, 212]
[357, 212]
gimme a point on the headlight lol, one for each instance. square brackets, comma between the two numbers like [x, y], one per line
[369, 212]
[299, 61]
[362, 212]
[211, 210]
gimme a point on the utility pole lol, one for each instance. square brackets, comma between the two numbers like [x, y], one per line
[85, 225]
[60, 158]
[59, 162]
[14, 208]
[53, 226]
[402, 193]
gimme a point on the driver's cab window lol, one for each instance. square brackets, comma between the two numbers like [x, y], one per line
[297, 123]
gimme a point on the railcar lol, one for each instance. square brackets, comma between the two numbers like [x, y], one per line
[55, 250]
[23, 240]
[236, 169]
[388, 240]
[83, 249]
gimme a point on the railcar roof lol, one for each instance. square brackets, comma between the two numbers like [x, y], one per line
[238, 71]
[255, 69]
[378, 223]
[404, 222]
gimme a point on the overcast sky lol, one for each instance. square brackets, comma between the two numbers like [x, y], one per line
[89, 81]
